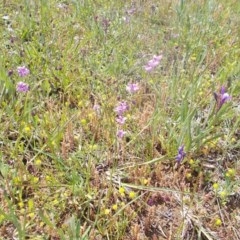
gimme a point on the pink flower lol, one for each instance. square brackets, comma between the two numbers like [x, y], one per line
[121, 133]
[121, 108]
[121, 120]
[153, 63]
[97, 108]
[23, 71]
[22, 87]
[132, 87]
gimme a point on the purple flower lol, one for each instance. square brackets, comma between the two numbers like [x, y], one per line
[151, 202]
[22, 87]
[121, 133]
[153, 63]
[121, 108]
[181, 154]
[132, 87]
[221, 97]
[121, 120]
[23, 71]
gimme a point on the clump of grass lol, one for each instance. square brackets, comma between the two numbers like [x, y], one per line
[119, 120]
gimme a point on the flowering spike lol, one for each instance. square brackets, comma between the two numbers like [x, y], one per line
[181, 154]
[221, 97]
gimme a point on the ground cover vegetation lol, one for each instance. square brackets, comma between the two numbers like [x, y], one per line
[119, 119]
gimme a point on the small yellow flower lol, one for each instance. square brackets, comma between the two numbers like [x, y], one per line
[145, 181]
[107, 211]
[215, 186]
[48, 178]
[223, 194]
[31, 215]
[128, 116]
[132, 195]
[191, 161]
[188, 175]
[95, 147]
[21, 204]
[122, 191]
[30, 204]
[90, 115]
[230, 173]
[115, 207]
[83, 121]
[38, 162]
[151, 81]
[16, 180]
[80, 103]
[35, 179]
[218, 222]
[27, 129]
[193, 58]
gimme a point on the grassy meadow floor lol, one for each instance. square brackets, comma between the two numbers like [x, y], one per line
[119, 119]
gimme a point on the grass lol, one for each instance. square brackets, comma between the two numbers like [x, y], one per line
[65, 174]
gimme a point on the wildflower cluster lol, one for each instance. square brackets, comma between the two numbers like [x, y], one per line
[122, 107]
[22, 86]
[221, 98]
[132, 88]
